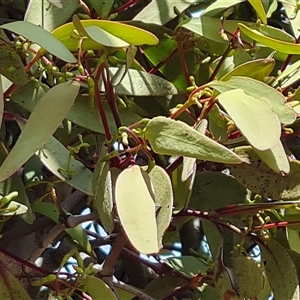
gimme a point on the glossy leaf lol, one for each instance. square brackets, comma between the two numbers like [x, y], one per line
[260, 179]
[135, 201]
[282, 46]
[248, 277]
[130, 34]
[254, 117]
[10, 287]
[189, 266]
[170, 137]
[257, 89]
[160, 12]
[140, 83]
[257, 69]
[41, 14]
[163, 200]
[44, 120]
[280, 269]
[97, 288]
[11, 65]
[103, 198]
[41, 37]
[259, 8]
[213, 190]
[275, 158]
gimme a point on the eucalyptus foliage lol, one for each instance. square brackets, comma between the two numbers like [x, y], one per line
[161, 128]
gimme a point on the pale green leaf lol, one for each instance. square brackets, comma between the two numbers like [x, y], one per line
[50, 16]
[257, 89]
[42, 123]
[160, 12]
[41, 37]
[260, 179]
[254, 117]
[217, 124]
[280, 269]
[55, 156]
[163, 199]
[170, 137]
[135, 201]
[139, 83]
[97, 288]
[289, 76]
[10, 286]
[104, 38]
[219, 7]
[13, 209]
[102, 188]
[275, 158]
[278, 45]
[260, 10]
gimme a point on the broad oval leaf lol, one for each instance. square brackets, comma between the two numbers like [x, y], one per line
[97, 288]
[135, 201]
[140, 83]
[163, 199]
[130, 34]
[257, 89]
[275, 158]
[260, 179]
[282, 46]
[41, 37]
[248, 277]
[44, 120]
[254, 117]
[170, 137]
[280, 269]
[214, 190]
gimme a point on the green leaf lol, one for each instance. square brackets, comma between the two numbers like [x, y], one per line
[130, 34]
[257, 89]
[163, 200]
[280, 269]
[135, 201]
[275, 158]
[160, 12]
[77, 233]
[13, 209]
[44, 120]
[254, 117]
[248, 277]
[282, 46]
[102, 7]
[189, 266]
[104, 38]
[289, 76]
[42, 37]
[11, 65]
[170, 137]
[217, 124]
[257, 69]
[97, 288]
[50, 16]
[182, 188]
[55, 156]
[102, 188]
[260, 179]
[10, 287]
[260, 10]
[218, 7]
[213, 190]
[140, 83]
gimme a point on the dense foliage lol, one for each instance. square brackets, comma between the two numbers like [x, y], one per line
[140, 126]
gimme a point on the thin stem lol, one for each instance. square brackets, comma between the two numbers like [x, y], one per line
[183, 63]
